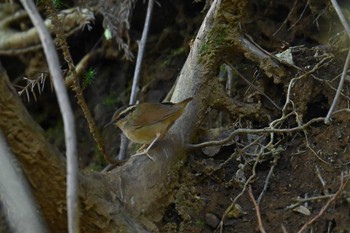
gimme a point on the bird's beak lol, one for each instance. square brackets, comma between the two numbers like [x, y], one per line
[110, 123]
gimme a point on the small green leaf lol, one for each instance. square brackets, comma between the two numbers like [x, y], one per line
[89, 77]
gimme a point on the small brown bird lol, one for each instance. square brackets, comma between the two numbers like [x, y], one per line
[146, 123]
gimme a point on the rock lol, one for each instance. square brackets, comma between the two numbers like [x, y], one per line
[212, 220]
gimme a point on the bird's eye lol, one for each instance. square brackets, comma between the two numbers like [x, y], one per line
[121, 116]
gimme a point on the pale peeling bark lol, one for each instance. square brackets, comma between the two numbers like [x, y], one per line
[146, 187]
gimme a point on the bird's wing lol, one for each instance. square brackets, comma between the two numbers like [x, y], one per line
[156, 112]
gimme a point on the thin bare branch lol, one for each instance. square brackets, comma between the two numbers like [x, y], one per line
[274, 164]
[61, 39]
[254, 131]
[140, 53]
[66, 111]
[257, 209]
[341, 16]
[300, 16]
[134, 90]
[340, 88]
[324, 208]
[284, 230]
[303, 200]
[255, 87]
[286, 20]
[346, 65]
[250, 179]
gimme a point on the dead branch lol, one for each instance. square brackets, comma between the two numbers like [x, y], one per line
[62, 42]
[67, 115]
[286, 19]
[339, 89]
[257, 209]
[268, 177]
[324, 208]
[136, 79]
[300, 201]
[255, 131]
[246, 184]
[341, 16]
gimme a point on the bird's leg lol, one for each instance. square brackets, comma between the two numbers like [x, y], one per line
[145, 152]
[141, 148]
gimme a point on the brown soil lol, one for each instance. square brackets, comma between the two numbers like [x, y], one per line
[305, 164]
[299, 173]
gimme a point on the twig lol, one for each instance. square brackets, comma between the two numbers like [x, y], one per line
[67, 114]
[346, 65]
[323, 182]
[140, 53]
[272, 128]
[257, 209]
[302, 200]
[341, 17]
[61, 39]
[82, 66]
[285, 21]
[233, 155]
[308, 145]
[324, 208]
[274, 164]
[284, 230]
[221, 225]
[255, 87]
[136, 78]
[123, 149]
[340, 88]
[32, 83]
[328, 82]
[309, 72]
[329, 228]
[254, 131]
[300, 16]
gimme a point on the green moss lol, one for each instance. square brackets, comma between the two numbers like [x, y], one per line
[219, 35]
[89, 77]
[200, 223]
[174, 53]
[111, 100]
[216, 40]
[203, 49]
[165, 63]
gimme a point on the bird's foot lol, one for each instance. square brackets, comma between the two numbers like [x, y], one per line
[145, 151]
